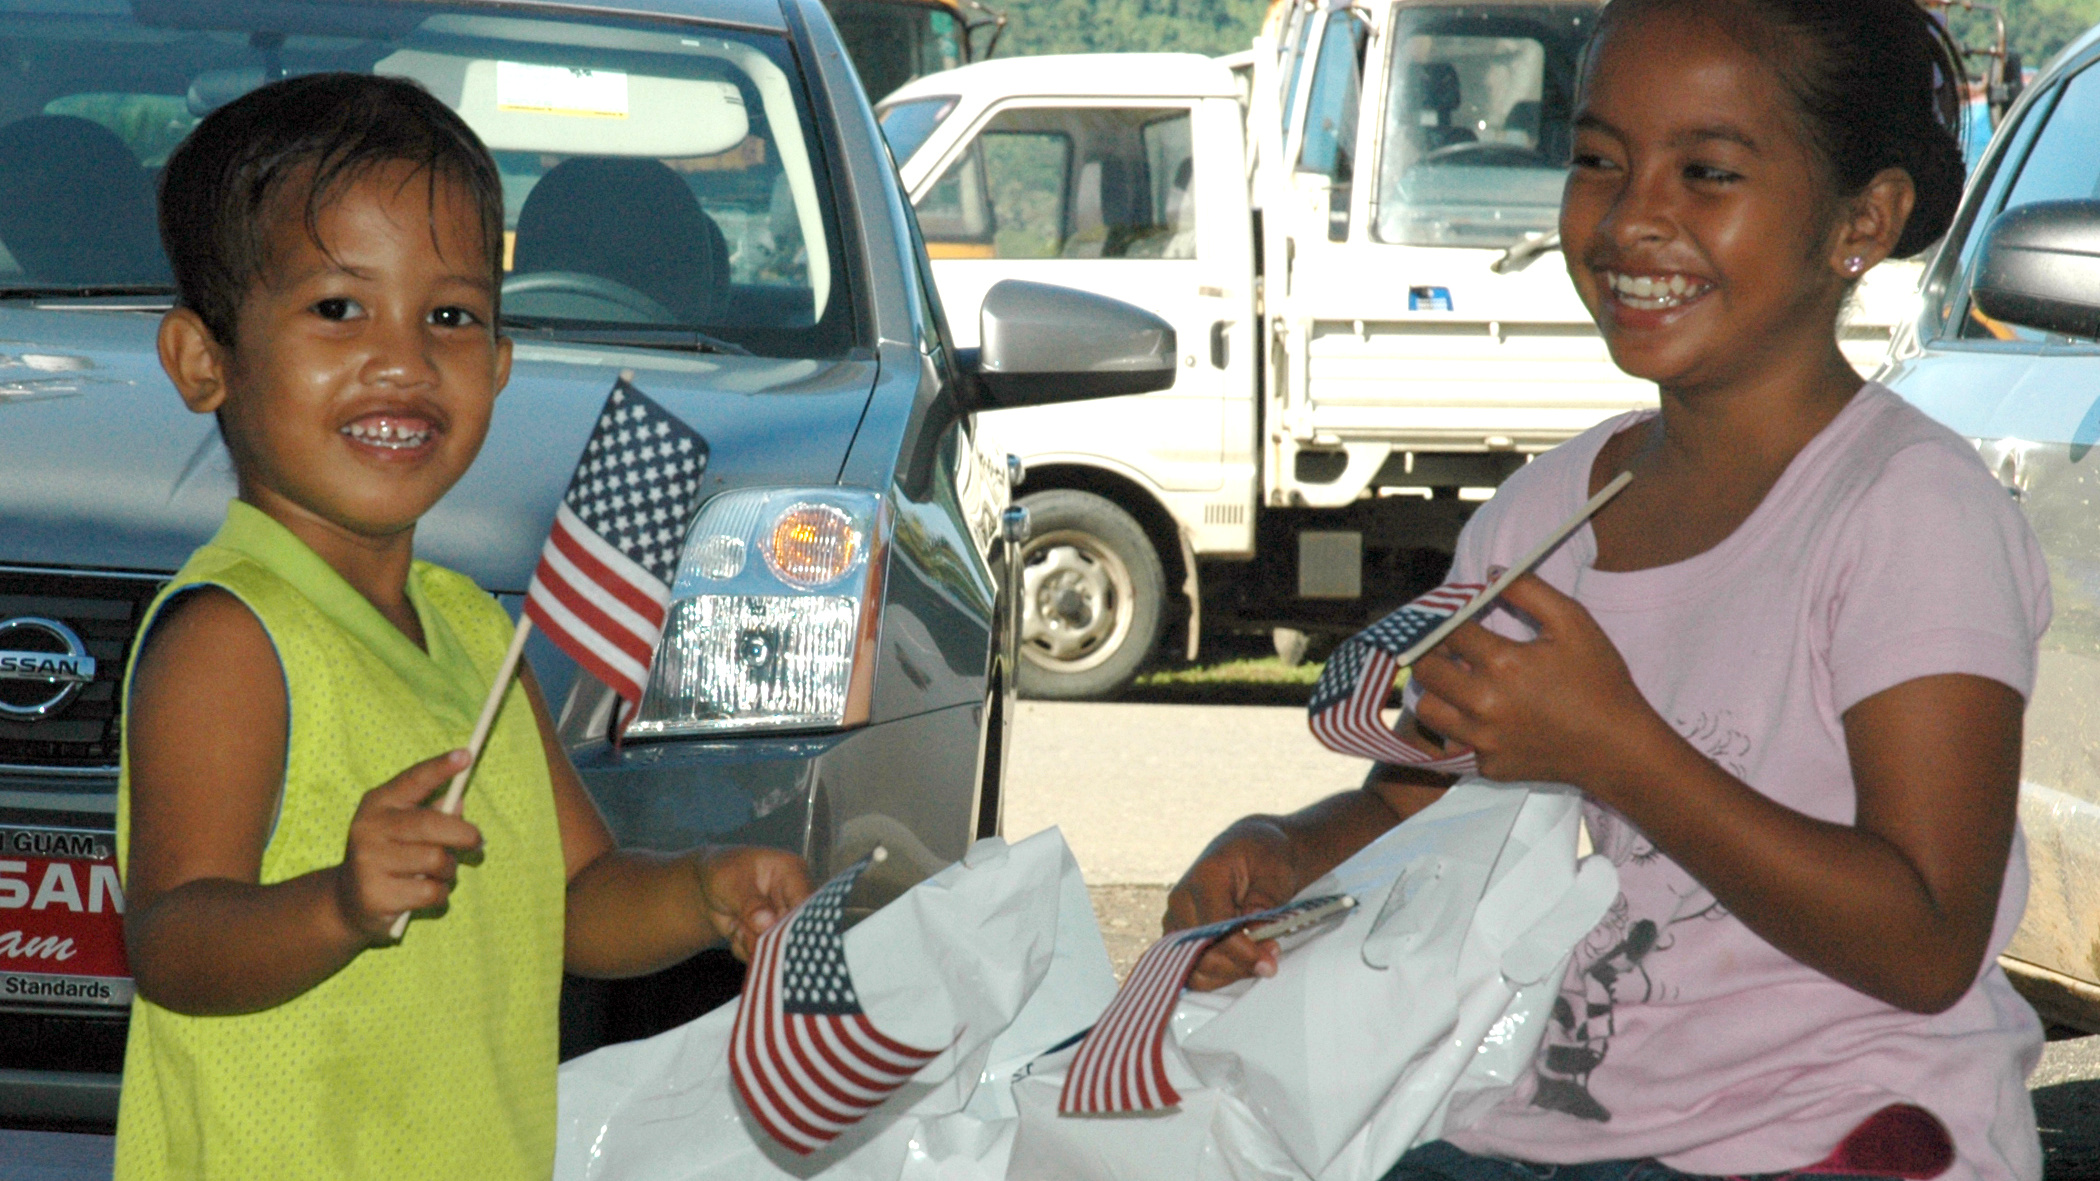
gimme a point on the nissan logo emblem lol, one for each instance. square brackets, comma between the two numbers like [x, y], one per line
[43, 665]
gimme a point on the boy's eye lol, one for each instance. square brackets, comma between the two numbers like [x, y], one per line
[1589, 160]
[337, 308]
[454, 317]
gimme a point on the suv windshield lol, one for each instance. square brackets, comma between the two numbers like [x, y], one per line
[661, 187]
[1476, 136]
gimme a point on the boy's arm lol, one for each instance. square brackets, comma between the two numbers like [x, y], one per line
[631, 912]
[207, 752]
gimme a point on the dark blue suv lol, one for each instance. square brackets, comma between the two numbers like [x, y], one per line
[697, 197]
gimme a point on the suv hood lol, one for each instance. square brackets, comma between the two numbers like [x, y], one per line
[101, 467]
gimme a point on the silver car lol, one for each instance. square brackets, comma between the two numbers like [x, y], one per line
[2006, 350]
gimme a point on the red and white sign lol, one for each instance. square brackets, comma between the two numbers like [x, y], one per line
[61, 920]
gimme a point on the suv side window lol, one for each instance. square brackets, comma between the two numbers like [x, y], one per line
[2060, 166]
[1068, 182]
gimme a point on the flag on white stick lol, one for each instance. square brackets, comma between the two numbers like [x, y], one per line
[604, 580]
[803, 1054]
[1346, 709]
[1121, 1065]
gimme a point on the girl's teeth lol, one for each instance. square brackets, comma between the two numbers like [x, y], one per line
[1651, 293]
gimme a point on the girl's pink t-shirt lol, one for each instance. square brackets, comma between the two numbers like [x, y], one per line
[1886, 552]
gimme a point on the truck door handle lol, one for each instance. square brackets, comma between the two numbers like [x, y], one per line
[1220, 345]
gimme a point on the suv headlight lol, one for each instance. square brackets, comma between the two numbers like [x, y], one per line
[773, 615]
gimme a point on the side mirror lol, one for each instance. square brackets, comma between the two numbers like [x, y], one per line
[2041, 268]
[1045, 344]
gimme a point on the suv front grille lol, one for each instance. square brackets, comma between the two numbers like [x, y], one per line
[103, 611]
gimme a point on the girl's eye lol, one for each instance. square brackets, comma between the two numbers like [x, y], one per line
[1709, 174]
[1589, 160]
[337, 308]
[454, 317]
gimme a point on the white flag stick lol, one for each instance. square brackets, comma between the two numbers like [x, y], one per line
[458, 790]
[1486, 598]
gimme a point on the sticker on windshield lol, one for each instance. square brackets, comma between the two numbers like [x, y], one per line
[560, 90]
[1429, 299]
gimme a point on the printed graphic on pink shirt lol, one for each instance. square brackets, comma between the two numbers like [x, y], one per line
[1617, 964]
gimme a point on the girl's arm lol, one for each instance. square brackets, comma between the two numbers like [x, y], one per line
[1263, 861]
[207, 749]
[1898, 905]
[631, 912]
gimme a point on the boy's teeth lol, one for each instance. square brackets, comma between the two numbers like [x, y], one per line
[388, 433]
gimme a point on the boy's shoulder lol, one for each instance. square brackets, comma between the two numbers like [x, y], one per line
[467, 608]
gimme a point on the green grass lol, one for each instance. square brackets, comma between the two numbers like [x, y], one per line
[1232, 680]
[1267, 670]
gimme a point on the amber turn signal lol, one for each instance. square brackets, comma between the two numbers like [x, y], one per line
[812, 544]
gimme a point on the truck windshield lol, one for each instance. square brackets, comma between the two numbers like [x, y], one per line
[658, 183]
[1476, 135]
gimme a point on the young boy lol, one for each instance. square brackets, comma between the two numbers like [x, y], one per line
[336, 242]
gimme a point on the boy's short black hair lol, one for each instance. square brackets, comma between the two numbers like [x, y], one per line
[221, 189]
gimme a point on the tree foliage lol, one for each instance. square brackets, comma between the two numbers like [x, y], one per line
[1126, 26]
[2036, 29]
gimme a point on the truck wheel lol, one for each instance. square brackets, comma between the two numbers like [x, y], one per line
[1290, 644]
[1092, 593]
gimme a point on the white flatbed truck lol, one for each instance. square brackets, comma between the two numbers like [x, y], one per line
[1353, 229]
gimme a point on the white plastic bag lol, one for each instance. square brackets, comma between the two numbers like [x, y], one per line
[999, 952]
[1413, 1013]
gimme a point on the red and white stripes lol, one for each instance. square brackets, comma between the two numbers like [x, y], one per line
[604, 609]
[808, 1077]
[1121, 1066]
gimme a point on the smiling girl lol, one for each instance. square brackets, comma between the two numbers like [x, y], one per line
[1787, 666]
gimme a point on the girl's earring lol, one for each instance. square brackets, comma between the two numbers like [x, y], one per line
[1854, 265]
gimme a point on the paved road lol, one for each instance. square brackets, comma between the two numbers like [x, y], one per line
[1138, 790]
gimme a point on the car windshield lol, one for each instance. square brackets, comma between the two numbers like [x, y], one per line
[1474, 150]
[907, 124]
[661, 185]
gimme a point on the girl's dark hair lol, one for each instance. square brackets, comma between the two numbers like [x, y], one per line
[222, 187]
[1876, 84]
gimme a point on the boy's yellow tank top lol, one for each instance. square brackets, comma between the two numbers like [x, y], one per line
[431, 1058]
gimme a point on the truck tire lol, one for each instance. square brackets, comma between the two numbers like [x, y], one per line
[1093, 594]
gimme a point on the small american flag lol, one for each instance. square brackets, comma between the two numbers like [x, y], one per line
[804, 1056]
[1346, 710]
[1121, 1065]
[604, 579]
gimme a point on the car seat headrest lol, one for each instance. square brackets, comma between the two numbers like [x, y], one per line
[76, 207]
[629, 220]
[1435, 86]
